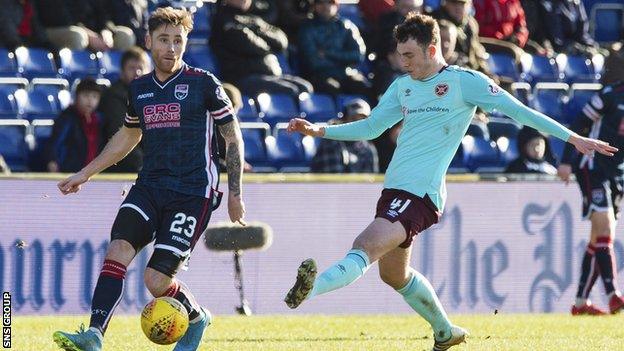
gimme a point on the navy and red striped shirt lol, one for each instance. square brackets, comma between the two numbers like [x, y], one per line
[178, 118]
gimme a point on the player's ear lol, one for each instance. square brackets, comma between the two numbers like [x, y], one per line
[432, 50]
[148, 41]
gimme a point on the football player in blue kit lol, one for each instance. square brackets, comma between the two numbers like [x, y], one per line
[174, 110]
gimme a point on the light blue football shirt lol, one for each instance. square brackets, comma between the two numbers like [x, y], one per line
[436, 113]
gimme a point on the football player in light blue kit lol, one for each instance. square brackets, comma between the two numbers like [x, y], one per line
[436, 103]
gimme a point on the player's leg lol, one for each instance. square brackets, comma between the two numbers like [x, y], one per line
[377, 239]
[131, 231]
[593, 199]
[183, 222]
[395, 270]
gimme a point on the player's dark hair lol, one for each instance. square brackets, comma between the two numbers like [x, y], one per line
[88, 84]
[422, 28]
[133, 53]
[164, 16]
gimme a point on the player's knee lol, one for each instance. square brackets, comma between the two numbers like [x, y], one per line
[394, 278]
[156, 282]
[120, 251]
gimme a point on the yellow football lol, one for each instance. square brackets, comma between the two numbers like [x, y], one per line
[164, 320]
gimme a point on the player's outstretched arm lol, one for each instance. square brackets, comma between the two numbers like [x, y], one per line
[234, 159]
[306, 128]
[116, 149]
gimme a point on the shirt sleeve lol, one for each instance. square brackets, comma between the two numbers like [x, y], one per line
[218, 103]
[481, 91]
[132, 117]
[386, 114]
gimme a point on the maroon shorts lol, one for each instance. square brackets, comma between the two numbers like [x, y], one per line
[415, 213]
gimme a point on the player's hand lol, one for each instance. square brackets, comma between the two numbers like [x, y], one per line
[564, 171]
[236, 209]
[304, 127]
[589, 146]
[72, 183]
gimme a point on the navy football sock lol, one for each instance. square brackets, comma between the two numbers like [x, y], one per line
[179, 291]
[107, 295]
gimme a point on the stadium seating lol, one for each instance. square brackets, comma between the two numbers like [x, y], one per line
[480, 155]
[607, 22]
[504, 66]
[110, 64]
[580, 94]
[42, 131]
[13, 146]
[539, 69]
[577, 69]
[522, 91]
[254, 136]
[508, 149]
[201, 56]
[201, 21]
[36, 104]
[35, 63]
[284, 64]
[275, 108]
[248, 113]
[504, 128]
[317, 107]
[8, 108]
[290, 152]
[478, 131]
[8, 67]
[548, 98]
[78, 64]
[557, 145]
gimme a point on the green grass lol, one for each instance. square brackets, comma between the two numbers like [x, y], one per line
[329, 333]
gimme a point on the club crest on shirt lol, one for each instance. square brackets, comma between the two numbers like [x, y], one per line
[493, 89]
[441, 89]
[181, 91]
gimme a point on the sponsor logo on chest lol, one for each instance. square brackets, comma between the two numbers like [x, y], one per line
[162, 115]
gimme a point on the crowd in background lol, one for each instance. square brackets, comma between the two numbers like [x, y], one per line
[249, 38]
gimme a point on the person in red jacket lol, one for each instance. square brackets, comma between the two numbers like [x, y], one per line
[502, 20]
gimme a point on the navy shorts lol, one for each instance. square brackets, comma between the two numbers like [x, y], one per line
[413, 212]
[601, 192]
[174, 221]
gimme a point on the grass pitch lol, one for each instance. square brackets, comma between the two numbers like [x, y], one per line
[369, 332]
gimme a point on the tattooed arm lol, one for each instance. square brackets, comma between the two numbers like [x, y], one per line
[234, 159]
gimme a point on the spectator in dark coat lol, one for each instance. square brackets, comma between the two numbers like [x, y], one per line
[330, 49]
[246, 47]
[20, 25]
[114, 106]
[292, 14]
[567, 27]
[77, 134]
[336, 156]
[535, 154]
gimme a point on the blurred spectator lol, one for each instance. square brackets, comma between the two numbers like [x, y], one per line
[567, 27]
[468, 45]
[4, 168]
[236, 98]
[372, 9]
[537, 43]
[503, 20]
[336, 156]
[389, 20]
[535, 154]
[246, 47]
[130, 14]
[265, 9]
[387, 69]
[614, 65]
[292, 14]
[77, 134]
[80, 24]
[330, 49]
[448, 42]
[20, 25]
[114, 105]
